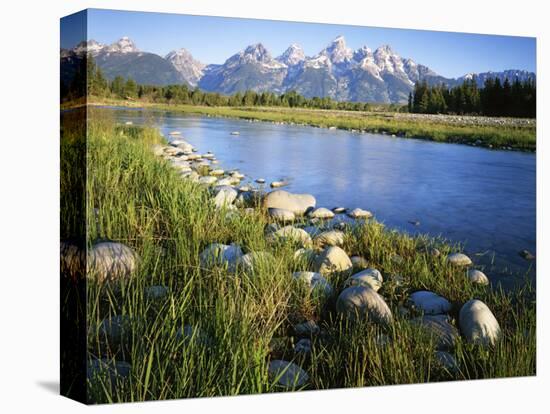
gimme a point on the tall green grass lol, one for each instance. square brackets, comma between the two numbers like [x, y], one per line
[242, 321]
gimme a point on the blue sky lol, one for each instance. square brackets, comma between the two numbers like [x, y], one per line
[214, 39]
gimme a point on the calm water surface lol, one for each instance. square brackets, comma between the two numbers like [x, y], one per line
[484, 199]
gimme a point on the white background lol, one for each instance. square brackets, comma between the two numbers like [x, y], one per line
[29, 163]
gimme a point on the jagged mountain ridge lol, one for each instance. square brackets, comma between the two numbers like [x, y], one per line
[337, 71]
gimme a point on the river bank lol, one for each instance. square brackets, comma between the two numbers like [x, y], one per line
[249, 300]
[498, 133]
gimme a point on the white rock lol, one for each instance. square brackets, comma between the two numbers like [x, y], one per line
[363, 302]
[459, 259]
[478, 277]
[359, 213]
[217, 254]
[314, 281]
[277, 184]
[281, 214]
[429, 303]
[322, 213]
[217, 172]
[332, 259]
[478, 324]
[287, 374]
[297, 203]
[207, 180]
[225, 196]
[291, 234]
[253, 261]
[369, 277]
[111, 260]
[307, 255]
[330, 238]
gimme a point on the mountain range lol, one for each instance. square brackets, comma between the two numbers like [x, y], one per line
[336, 71]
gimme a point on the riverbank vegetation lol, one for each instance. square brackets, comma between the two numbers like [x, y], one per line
[214, 331]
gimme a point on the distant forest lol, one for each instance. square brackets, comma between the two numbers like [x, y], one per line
[496, 98]
[517, 99]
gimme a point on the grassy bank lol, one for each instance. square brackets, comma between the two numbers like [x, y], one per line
[517, 134]
[242, 321]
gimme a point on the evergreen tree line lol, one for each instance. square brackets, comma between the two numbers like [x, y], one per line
[495, 98]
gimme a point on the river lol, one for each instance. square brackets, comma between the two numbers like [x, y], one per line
[484, 199]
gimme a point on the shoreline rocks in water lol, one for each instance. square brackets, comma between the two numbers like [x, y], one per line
[357, 213]
[459, 259]
[299, 204]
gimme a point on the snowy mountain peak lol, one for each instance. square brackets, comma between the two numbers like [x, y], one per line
[191, 70]
[123, 45]
[337, 51]
[362, 53]
[257, 52]
[292, 56]
[90, 46]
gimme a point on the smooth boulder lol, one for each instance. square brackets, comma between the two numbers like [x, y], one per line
[253, 261]
[299, 204]
[478, 277]
[110, 261]
[329, 238]
[225, 195]
[314, 281]
[290, 234]
[217, 254]
[359, 213]
[429, 303]
[439, 329]
[332, 259]
[321, 213]
[369, 277]
[281, 214]
[459, 259]
[478, 324]
[287, 374]
[363, 302]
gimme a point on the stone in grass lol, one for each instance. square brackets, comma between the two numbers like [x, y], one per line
[253, 261]
[189, 334]
[369, 277]
[290, 234]
[439, 329]
[224, 196]
[329, 238]
[287, 374]
[359, 213]
[358, 302]
[459, 259]
[321, 213]
[314, 281]
[478, 324]
[359, 262]
[307, 328]
[207, 180]
[218, 172]
[299, 204]
[115, 329]
[281, 214]
[306, 255]
[303, 346]
[217, 254]
[446, 361]
[478, 277]
[429, 303]
[110, 261]
[104, 369]
[157, 292]
[332, 259]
